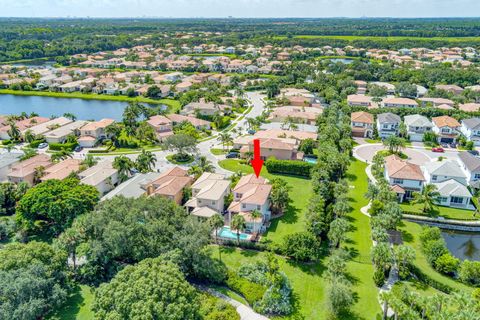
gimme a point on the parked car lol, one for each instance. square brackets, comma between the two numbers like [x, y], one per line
[42, 145]
[232, 155]
[444, 145]
[474, 152]
[438, 149]
[251, 131]
[77, 149]
[453, 145]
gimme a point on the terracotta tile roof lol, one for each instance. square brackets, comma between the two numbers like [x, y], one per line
[469, 107]
[400, 169]
[158, 120]
[28, 166]
[91, 126]
[445, 121]
[62, 169]
[362, 116]
[171, 182]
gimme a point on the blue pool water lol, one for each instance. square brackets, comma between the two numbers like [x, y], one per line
[310, 160]
[226, 233]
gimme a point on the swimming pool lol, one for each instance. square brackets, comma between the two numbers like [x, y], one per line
[226, 233]
[310, 160]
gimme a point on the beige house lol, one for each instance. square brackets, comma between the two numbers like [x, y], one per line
[197, 123]
[279, 133]
[162, 126]
[306, 115]
[93, 131]
[208, 195]
[50, 125]
[447, 129]
[280, 148]
[61, 170]
[170, 184]
[25, 170]
[359, 100]
[251, 193]
[397, 102]
[101, 176]
[60, 135]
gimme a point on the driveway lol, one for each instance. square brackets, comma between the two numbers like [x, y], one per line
[366, 152]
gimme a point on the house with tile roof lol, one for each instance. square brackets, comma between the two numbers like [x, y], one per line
[101, 176]
[303, 115]
[170, 184]
[280, 148]
[94, 131]
[417, 125]
[162, 125]
[470, 128]
[398, 102]
[208, 195]
[7, 161]
[359, 100]
[199, 124]
[61, 170]
[362, 124]
[447, 129]
[469, 107]
[24, 171]
[251, 193]
[290, 134]
[404, 177]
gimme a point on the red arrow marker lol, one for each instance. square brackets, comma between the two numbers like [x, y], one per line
[257, 162]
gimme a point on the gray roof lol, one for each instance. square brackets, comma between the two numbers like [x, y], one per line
[444, 168]
[133, 188]
[452, 188]
[416, 120]
[472, 123]
[471, 162]
[388, 118]
[8, 158]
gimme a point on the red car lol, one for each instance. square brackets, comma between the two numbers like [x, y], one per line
[438, 149]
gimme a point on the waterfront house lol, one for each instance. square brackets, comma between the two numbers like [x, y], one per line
[47, 126]
[404, 177]
[471, 167]
[162, 126]
[454, 194]
[387, 124]
[93, 132]
[447, 129]
[439, 171]
[59, 135]
[417, 125]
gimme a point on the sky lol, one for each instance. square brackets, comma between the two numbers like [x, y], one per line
[239, 8]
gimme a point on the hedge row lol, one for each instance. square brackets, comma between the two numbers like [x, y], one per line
[293, 167]
[252, 292]
[62, 146]
[35, 143]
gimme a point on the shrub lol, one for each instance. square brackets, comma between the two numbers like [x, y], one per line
[429, 233]
[470, 272]
[6, 142]
[293, 167]
[447, 264]
[252, 292]
[36, 143]
[379, 277]
[212, 308]
[62, 146]
[434, 249]
[301, 246]
[422, 277]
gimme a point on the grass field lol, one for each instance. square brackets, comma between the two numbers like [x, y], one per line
[77, 307]
[410, 233]
[300, 192]
[218, 152]
[173, 105]
[359, 243]
[439, 211]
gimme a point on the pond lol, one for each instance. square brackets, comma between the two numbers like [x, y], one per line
[463, 245]
[341, 60]
[48, 106]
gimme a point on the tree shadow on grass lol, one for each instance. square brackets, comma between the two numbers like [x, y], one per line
[72, 306]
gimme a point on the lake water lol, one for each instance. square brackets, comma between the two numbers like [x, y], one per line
[47, 106]
[344, 61]
[463, 245]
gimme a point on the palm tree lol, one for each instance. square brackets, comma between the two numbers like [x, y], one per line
[386, 297]
[427, 197]
[255, 214]
[216, 221]
[39, 172]
[205, 164]
[124, 165]
[28, 136]
[195, 171]
[113, 131]
[70, 116]
[146, 161]
[238, 224]
[90, 161]
[225, 138]
[130, 116]
[62, 155]
[251, 123]
[13, 132]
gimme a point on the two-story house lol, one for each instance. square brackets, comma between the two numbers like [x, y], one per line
[396, 102]
[387, 124]
[417, 125]
[362, 124]
[208, 195]
[171, 184]
[471, 167]
[447, 129]
[439, 171]
[404, 177]
[162, 126]
[471, 130]
[93, 132]
[250, 194]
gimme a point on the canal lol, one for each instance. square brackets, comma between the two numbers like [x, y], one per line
[48, 106]
[463, 245]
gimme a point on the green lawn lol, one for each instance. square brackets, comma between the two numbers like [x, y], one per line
[359, 243]
[439, 211]
[300, 192]
[218, 152]
[418, 287]
[173, 105]
[306, 280]
[410, 234]
[77, 307]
